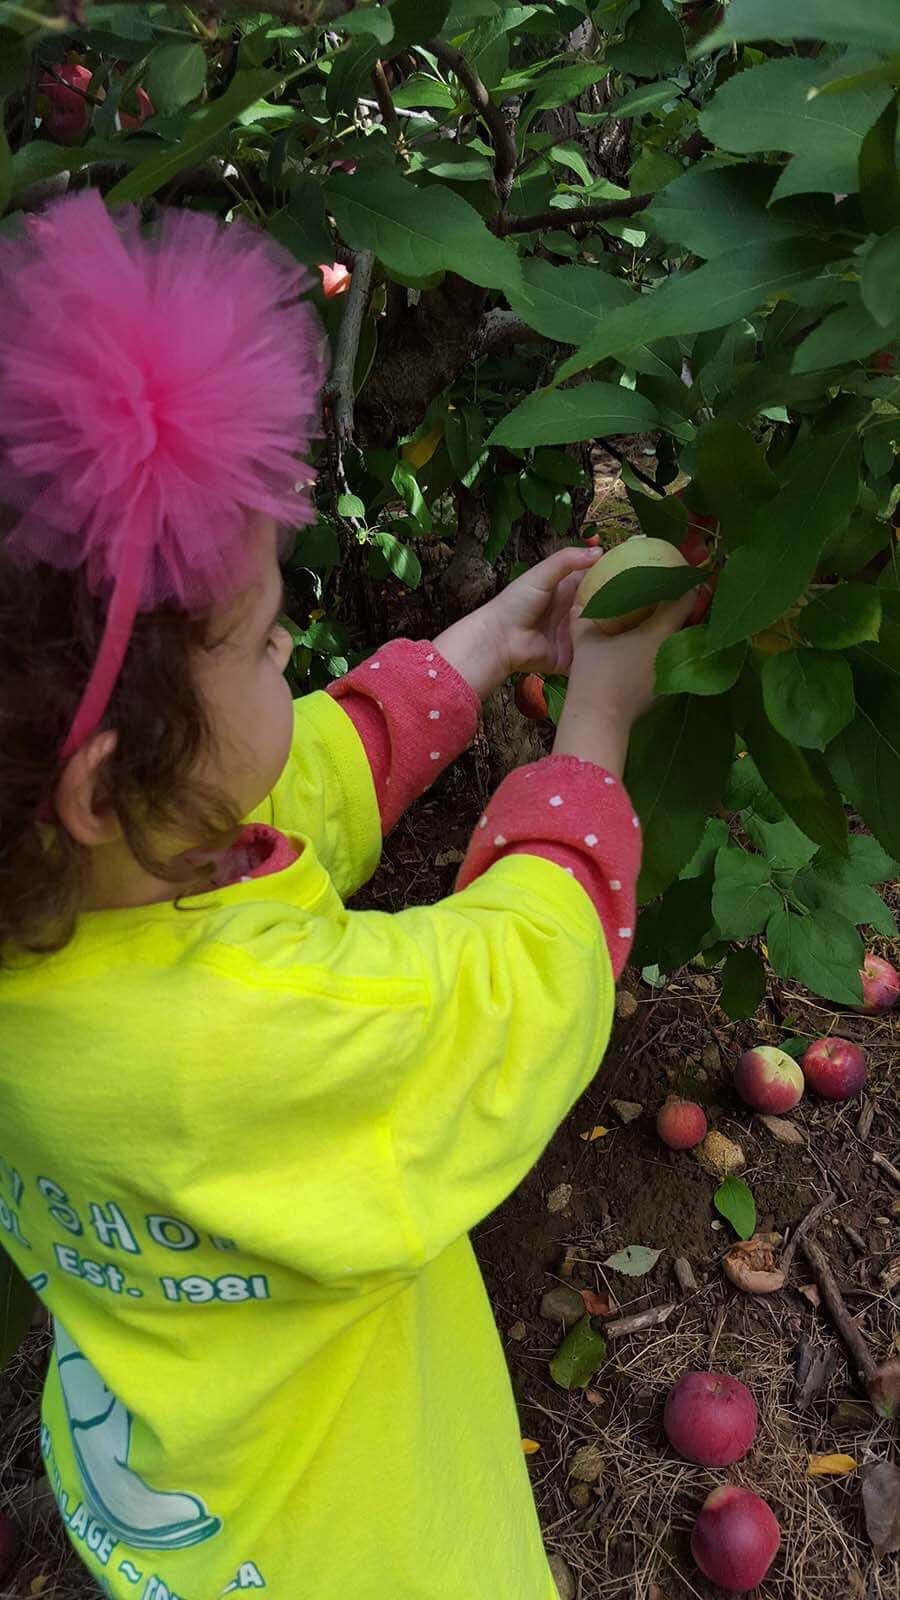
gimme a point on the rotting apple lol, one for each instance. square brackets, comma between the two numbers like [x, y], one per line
[881, 985]
[638, 551]
[710, 1418]
[735, 1538]
[835, 1068]
[769, 1080]
[531, 699]
[681, 1123]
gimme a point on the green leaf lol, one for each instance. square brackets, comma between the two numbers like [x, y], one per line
[649, 97]
[660, 516]
[506, 508]
[743, 984]
[417, 232]
[402, 562]
[350, 75]
[710, 210]
[869, 862]
[16, 1308]
[734, 475]
[874, 24]
[201, 131]
[808, 696]
[652, 171]
[823, 952]
[636, 1260]
[799, 779]
[731, 286]
[375, 20]
[566, 303]
[762, 579]
[406, 483]
[652, 44]
[317, 547]
[880, 278]
[671, 931]
[846, 334]
[734, 1201]
[561, 416]
[555, 86]
[852, 547]
[743, 894]
[300, 226]
[419, 91]
[865, 761]
[678, 764]
[839, 617]
[836, 886]
[685, 665]
[639, 587]
[415, 21]
[879, 180]
[715, 835]
[6, 165]
[769, 108]
[783, 845]
[578, 1357]
[176, 75]
[39, 159]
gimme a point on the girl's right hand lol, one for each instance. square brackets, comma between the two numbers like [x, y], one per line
[612, 684]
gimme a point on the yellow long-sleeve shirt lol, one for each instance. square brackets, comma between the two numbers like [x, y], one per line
[242, 1139]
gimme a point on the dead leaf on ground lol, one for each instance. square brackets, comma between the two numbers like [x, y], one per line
[751, 1264]
[587, 1464]
[626, 1110]
[885, 1390]
[814, 1369]
[530, 1447]
[782, 1130]
[518, 1331]
[881, 1505]
[655, 1592]
[626, 1003]
[559, 1198]
[598, 1305]
[810, 1292]
[597, 1132]
[833, 1466]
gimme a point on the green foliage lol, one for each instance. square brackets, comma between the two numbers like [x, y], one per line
[724, 283]
[734, 1201]
[582, 1351]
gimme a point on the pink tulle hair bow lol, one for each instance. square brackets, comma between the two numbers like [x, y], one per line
[154, 388]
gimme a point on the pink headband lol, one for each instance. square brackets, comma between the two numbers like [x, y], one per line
[153, 389]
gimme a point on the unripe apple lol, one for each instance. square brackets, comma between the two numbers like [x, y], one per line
[710, 1418]
[881, 985]
[835, 1068]
[768, 1080]
[530, 697]
[681, 1123]
[639, 551]
[68, 113]
[735, 1538]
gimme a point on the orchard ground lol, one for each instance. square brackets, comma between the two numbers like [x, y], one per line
[629, 1541]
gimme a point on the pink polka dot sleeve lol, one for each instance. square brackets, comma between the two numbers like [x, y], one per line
[578, 816]
[414, 714]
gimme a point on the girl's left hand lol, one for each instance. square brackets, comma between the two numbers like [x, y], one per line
[526, 628]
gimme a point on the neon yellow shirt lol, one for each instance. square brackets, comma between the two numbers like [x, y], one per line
[243, 1139]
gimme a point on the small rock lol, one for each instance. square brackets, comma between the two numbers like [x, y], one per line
[626, 1003]
[626, 1110]
[587, 1464]
[562, 1576]
[558, 1198]
[711, 1058]
[562, 1304]
[518, 1331]
[782, 1130]
[684, 1273]
[719, 1155]
[580, 1495]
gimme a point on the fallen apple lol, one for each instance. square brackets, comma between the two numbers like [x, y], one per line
[881, 985]
[638, 551]
[835, 1068]
[768, 1080]
[531, 700]
[710, 1418]
[735, 1538]
[752, 1265]
[681, 1123]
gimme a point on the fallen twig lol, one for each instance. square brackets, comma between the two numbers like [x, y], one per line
[882, 1162]
[840, 1316]
[804, 1227]
[635, 1324]
[856, 1239]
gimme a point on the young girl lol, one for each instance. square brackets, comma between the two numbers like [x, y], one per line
[244, 1131]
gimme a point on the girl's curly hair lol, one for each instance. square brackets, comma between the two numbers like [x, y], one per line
[50, 629]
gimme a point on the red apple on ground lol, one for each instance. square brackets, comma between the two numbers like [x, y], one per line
[335, 279]
[67, 113]
[531, 699]
[881, 985]
[681, 1123]
[835, 1068]
[638, 551]
[768, 1080]
[9, 1545]
[735, 1538]
[710, 1418]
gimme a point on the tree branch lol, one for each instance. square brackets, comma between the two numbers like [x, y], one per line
[498, 329]
[505, 157]
[562, 217]
[339, 388]
[384, 99]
